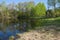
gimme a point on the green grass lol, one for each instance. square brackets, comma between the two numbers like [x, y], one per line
[47, 22]
[50, 21]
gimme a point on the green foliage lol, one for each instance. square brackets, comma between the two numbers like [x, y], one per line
[22, 11]
[57, 10]
[37, 13]
[40, 10]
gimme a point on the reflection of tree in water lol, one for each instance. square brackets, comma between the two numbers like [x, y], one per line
[23, 24]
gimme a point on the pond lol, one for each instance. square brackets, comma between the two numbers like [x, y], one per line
[5, 36]
[8, 33]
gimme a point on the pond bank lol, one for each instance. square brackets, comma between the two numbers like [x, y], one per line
[39, 35]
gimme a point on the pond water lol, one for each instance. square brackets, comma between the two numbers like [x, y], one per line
[8, 33]
[5, 36]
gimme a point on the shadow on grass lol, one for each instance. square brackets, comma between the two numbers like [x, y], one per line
[48, 24]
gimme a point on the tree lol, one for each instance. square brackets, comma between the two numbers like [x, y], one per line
[40, 10]
[4, 15]
[37, 13]
[52, 3]
[58, 1]
[25, 12]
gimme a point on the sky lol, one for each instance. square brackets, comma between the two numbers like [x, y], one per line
[17, 1]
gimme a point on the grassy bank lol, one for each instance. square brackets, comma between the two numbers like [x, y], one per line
[50, 21]
[53, 23]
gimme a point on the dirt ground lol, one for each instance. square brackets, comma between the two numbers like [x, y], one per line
[47, 33]
[38, 35]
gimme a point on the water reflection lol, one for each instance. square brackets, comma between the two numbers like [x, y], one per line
[9, 32]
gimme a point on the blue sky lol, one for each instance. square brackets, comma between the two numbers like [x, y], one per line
[16, 1]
